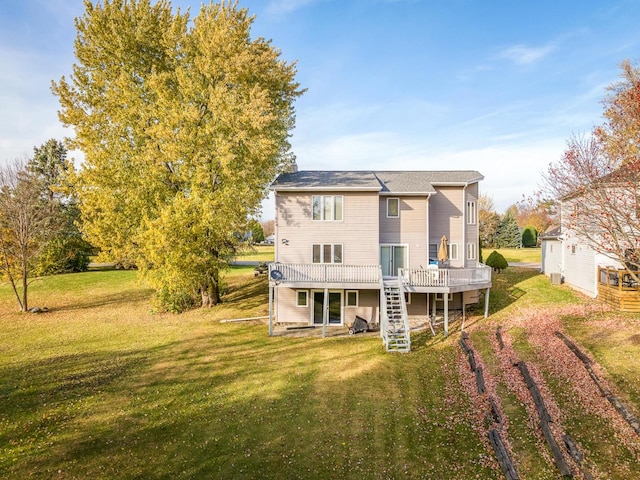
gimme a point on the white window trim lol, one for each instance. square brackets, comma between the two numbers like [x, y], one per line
[451, 251]
[472, 212]
[323, 199]
[306, 296]
[440, 297]
[397, 200]
[471, 251]
[407, 298]
[322, 259]
[346, 298]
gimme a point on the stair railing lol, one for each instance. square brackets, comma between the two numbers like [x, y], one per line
[405, 314]
[384, 319]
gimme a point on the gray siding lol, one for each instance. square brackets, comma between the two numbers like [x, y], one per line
[471, 229]
[446, 218]
[410, 228]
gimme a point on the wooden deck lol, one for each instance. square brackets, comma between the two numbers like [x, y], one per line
[619, 289]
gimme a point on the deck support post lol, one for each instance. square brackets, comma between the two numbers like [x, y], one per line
[325, 312]
[434, 306]
[446, 314]
[270, 310]
[486, 302]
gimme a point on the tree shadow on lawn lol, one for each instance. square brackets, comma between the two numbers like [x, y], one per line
[102, 300]
[505, 289]
[231, 407]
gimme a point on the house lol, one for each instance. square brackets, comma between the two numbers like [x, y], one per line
[365, 243]
[569, 258]
[551, 242]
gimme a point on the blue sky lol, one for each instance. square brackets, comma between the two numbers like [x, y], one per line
[494, 86]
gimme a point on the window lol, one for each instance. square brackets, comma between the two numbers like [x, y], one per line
[302, 298]
[453, 251]
[327, 253]
[440, 297]
[327, 208]
[433, 252]
[393, 207]
[471, 251]
[471, 213]
[352, 298]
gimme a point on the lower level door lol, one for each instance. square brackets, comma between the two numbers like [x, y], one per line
[335, 307]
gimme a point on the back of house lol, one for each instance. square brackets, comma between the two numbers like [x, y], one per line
[342, 237]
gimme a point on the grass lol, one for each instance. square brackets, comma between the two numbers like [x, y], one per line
[257, 253]
[101, 387]
[511, 255]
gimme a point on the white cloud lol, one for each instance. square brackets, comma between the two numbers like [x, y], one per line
[511, 169]
[523, 55]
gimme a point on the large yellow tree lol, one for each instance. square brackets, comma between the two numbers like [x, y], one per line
[183, 123]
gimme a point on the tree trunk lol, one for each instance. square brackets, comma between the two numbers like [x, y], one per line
[25, 284]
[210, 291]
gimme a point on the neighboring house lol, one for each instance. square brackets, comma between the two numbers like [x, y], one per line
[270, 239]
[365, 243]
[552, 251]
[579, 265]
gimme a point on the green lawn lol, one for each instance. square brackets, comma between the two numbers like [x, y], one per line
[257, 253]
[100, 387]
[528, 255]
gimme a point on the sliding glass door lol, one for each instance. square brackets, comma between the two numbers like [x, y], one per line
[393, 257]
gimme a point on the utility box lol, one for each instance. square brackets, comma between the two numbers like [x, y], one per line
[556, 278]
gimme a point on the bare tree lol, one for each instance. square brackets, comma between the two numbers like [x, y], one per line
[600, 198]
[26, 222]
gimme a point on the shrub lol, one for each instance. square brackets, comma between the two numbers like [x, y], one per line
[496, 261]
[529, 237]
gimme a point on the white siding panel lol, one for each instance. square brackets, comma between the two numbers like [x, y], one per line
[580, 267]
[357, 232]
[551, 256]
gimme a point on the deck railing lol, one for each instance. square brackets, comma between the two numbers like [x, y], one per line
[325, 273]
[445, 277]
[332, 273]
[618, 279]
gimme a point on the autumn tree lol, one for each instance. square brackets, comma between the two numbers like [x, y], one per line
[26, 224]
[598, 177]
[268, 227]
[184, 122]
[488, 220]
[536, 211]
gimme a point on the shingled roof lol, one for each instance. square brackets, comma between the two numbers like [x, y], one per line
[385, 182]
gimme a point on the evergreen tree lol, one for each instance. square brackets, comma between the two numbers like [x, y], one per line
[529, 237]
[508, 235]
